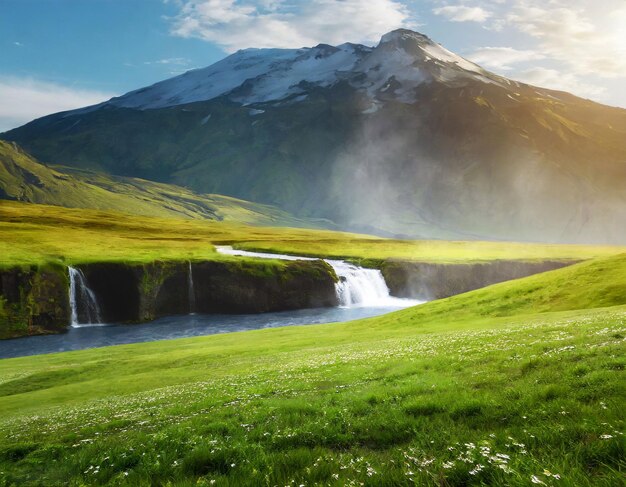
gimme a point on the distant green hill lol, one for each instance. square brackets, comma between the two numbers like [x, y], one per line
[22, 178]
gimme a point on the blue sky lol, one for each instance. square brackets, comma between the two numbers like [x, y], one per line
[62, 54]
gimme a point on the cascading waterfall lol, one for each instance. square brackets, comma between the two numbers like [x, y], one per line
[357, 286]
[190, 289]
[82, 296]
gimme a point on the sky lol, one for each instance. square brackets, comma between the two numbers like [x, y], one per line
[61, 54]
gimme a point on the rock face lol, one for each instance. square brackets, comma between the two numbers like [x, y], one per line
[429, 281]
[33, 301]
[138, 293]
[118, 290]
[234, 288]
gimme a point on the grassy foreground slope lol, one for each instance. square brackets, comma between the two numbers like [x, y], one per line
[471, 390]
[25, 179]
[38, 234]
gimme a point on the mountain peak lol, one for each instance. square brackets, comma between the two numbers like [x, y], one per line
[400, 36]
[423, 49]
[403, 60]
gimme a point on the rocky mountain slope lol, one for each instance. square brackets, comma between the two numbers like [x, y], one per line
[404, 138]
[22, 178]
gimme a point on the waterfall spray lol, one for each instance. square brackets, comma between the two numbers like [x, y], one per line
[82, 296]
[192, 294]
[358, 286]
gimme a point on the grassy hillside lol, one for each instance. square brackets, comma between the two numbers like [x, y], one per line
[591, 284]
[457, 392]
[23, 178]
[36, 234]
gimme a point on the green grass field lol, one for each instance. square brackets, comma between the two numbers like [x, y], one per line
[521, 383]
[38, 234]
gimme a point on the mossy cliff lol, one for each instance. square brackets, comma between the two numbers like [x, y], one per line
[435, 281]
[260, 288]
[135, 293]
[35, 300]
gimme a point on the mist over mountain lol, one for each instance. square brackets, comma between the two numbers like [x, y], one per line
[405, 138]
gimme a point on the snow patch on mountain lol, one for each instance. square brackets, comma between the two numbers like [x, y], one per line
[390, 73]
[252, 75]
[318, 66]
[401, 62]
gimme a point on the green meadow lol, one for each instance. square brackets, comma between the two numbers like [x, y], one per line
[40, 234]
[520, 383]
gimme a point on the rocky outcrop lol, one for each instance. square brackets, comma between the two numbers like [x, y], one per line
[424, 280]
[227, 287]
[117, 290]
[33, 301]
[242, 287]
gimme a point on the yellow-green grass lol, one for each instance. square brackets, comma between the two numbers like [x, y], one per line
[442, 251]
[508, 385]
[38, 234]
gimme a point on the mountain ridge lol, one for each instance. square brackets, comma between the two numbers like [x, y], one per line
[409, 141]
[322, 65]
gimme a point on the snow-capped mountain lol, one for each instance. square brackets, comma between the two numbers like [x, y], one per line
[263, 75]
[404, 138]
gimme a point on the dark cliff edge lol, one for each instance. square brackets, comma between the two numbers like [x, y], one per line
[35, 300]
[140, 293]
[428, 281]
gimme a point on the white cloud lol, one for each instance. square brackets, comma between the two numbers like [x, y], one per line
[462, 13]
[502, 58]
[558, 80]
[24, 99]
[240, 24]
[588, 39]
[172, 61]
[581, 44]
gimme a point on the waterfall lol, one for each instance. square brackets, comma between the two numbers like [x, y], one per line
[191, 292]
[357, 286]
[82, 298]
